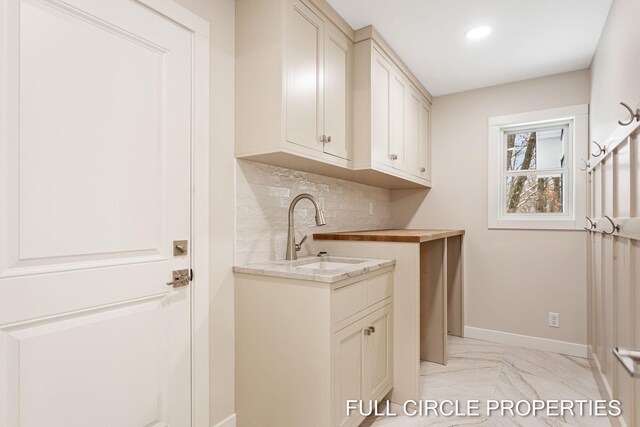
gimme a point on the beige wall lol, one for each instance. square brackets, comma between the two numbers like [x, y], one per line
[221, 16]
[513, 277]
[615, 68]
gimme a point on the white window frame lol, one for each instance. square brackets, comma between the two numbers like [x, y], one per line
[576, 118]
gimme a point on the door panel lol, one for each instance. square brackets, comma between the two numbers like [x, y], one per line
[94, 187]
[623, 326]
[622, 198]
[397, 93]
[347, 371]
[412, 132]
[338, 71]
[380, 82]
[377, 364]
[425, 140]
[304, 77]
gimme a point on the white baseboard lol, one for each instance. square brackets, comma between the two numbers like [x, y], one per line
[543, 344]
[230, 421]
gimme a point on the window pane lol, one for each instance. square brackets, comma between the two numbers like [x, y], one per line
[535, 194]
[535, 149]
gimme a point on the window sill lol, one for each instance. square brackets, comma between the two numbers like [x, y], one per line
[534, 224]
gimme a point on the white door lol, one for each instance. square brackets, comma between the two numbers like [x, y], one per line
[95, 114]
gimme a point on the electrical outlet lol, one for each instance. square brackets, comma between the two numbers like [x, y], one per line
[370, 208]
[554, 320]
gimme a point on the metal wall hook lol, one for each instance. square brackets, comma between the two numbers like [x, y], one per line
[592, 225]
[586, 165]
[632, 115]
[613, 224]
[601, 150]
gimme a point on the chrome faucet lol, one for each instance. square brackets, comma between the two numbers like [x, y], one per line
[292, 246]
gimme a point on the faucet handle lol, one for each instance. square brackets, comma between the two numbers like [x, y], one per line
[299, 245]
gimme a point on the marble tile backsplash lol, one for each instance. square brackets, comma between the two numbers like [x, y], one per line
[263, 196]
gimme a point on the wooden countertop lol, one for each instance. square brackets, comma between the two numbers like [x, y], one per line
[406, 236]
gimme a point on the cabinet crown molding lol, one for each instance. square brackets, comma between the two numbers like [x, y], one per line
[370, 33]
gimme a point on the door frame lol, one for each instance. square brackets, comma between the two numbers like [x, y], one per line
[199, 29]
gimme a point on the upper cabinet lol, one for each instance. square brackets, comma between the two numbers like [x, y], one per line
[312, 94]
[294, 76]
[392, 114]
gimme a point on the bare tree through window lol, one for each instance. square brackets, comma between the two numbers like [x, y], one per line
[534, 151]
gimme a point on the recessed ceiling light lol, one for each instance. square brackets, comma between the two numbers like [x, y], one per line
[480, 32]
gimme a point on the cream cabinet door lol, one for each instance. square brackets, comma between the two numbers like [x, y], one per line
[304, 63]
[424, 156]
[397, 93]
[95, 107]
[412, 132]
[347, 380]
[377, 350]
[338, 69]
[381, 74]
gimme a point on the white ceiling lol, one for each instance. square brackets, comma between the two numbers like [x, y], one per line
[530, 38]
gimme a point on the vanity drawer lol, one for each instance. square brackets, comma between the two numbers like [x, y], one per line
[348, 300]
[379, 288]
[351, 299]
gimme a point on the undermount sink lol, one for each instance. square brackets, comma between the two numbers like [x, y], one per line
[330, 264]
[319, 269]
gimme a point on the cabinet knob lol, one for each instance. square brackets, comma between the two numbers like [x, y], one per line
[367, 331]
[323, 138]
[372, 329]
[393, 156]
[328, 139]
[422, 170]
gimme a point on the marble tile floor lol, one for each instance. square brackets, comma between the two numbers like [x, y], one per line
[482, 370]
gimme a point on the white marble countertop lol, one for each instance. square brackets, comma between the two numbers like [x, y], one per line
[317, 269]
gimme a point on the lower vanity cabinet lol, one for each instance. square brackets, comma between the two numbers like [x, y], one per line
[304, 348]
[363, 363]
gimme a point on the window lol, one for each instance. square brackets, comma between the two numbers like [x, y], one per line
[532, 174]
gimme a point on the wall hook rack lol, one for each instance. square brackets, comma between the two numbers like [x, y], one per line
[632, 115]
[615, 226]
[601, 150]
[586, 165]
[592, 225]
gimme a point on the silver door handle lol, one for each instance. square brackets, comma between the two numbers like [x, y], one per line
[629, 360]
[180, 278]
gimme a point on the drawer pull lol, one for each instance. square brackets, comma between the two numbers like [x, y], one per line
[629, 360]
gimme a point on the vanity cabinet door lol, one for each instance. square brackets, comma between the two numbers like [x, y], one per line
[304, 58]
[347, 381]
[377, 350]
